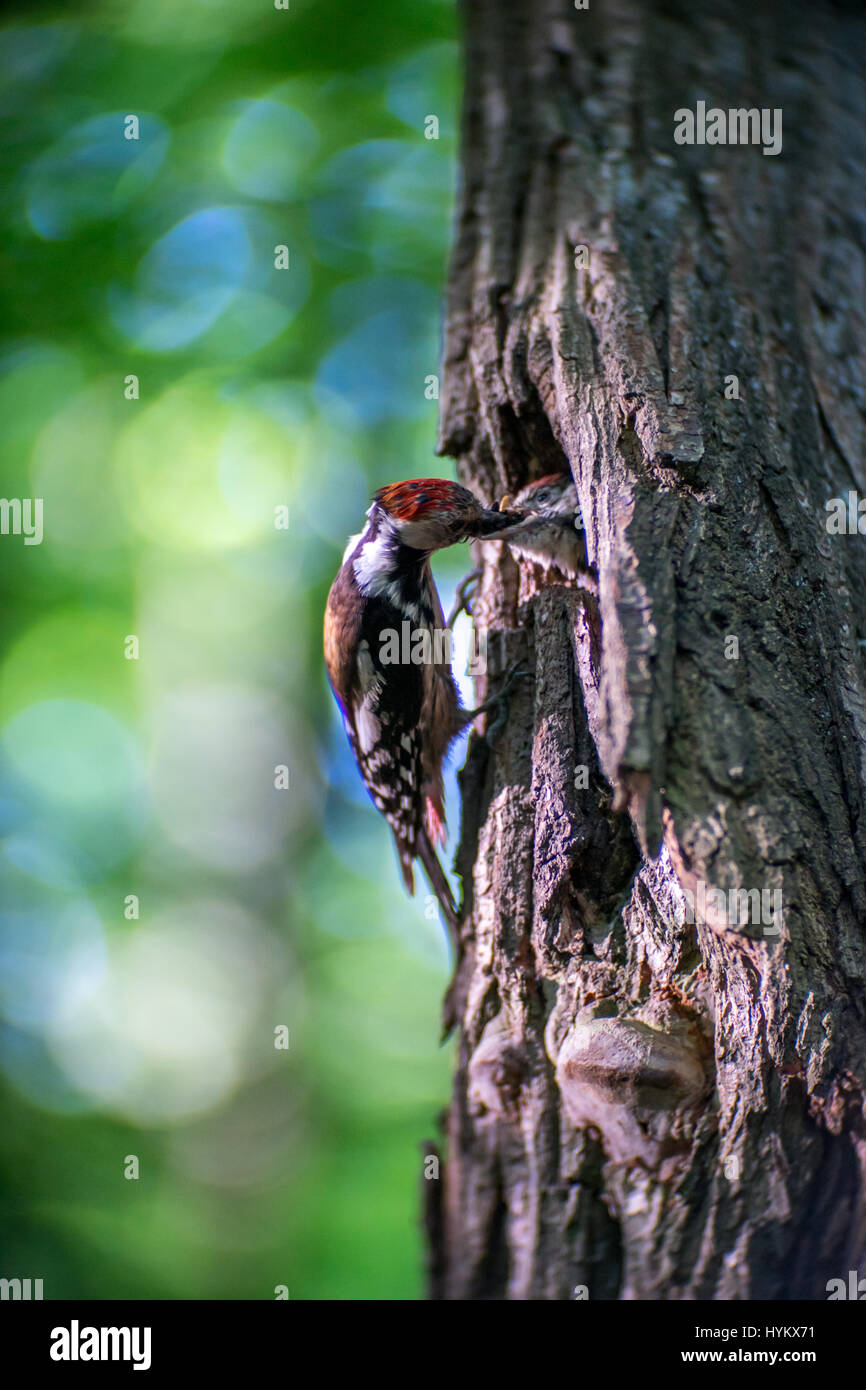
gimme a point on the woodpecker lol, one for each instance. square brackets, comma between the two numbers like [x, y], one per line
[402, 715]
[551, 533]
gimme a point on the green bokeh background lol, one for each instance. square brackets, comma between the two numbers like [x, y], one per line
[154, 776]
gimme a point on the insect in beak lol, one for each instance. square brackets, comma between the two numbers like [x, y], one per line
[503, 505]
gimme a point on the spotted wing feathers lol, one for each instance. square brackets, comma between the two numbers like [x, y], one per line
[387, 746]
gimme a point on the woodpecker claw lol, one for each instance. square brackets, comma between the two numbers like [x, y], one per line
[499, 701]
[464, 595]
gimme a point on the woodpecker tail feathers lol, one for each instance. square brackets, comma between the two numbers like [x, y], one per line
[439, 883]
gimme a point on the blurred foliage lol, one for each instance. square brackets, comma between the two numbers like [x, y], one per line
[152, 774]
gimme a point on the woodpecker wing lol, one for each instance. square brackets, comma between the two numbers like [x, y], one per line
[380, 699]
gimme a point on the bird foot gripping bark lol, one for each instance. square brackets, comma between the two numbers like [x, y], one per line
[498, 702]
[464, 596]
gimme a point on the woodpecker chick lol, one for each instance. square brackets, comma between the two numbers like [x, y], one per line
[400, 704]
[552, 532]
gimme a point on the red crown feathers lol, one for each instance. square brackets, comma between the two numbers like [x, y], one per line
[412, 500]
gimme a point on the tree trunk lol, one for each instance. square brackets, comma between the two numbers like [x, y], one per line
[647, 1106]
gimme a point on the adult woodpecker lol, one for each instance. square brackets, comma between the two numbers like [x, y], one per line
[401, 716]
[551, 533]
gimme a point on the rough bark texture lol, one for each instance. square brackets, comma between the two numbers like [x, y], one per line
[644, 1107]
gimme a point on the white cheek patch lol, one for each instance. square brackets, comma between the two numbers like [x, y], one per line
[375, 578]
[353, 541]
[423, 535]
[372, 565]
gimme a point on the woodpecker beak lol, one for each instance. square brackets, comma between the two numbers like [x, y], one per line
[490, 522]
[503, 505]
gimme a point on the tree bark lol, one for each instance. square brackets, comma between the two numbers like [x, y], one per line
[644, 1106]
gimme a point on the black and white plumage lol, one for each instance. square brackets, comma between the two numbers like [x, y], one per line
[387, 651]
